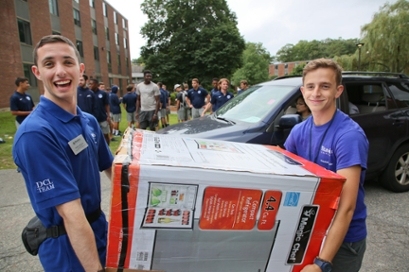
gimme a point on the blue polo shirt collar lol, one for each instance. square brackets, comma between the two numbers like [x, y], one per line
[59, 113]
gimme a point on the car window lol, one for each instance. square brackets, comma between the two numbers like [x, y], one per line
[400, 91]
[255, 104]
[366, 98]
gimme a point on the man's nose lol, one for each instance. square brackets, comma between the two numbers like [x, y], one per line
[60, 70]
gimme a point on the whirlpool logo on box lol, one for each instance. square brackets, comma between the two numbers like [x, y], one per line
[302, 235]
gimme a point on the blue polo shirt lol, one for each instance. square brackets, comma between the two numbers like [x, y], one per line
[102, 100]
[163, 98]
[219, 99]
[197, 97]
[86, 99]
[114, 103]
[213, 92]
[129, 100]
[21, 102]
[55, 175]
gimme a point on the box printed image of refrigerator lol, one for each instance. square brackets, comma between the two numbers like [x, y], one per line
[185, 204]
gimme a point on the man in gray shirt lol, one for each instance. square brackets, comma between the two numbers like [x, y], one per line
[148, 102]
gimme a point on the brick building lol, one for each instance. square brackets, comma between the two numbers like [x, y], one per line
[283, 69]
[98, 30]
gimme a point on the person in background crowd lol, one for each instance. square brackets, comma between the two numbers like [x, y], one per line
[101, 86]
[60, 151]
[163, 103]
[129, 100]
[115, 107]
[215, 90]
[180, 103]
[196, 98]
[333, 140]
[86, 99]
[21, 103]
[244, 85]
[101, 108]
[167, 104]
[188, 110]
[302, 109]
[220, 98]
[148, 102]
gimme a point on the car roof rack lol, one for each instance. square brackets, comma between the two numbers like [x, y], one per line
[399, 75]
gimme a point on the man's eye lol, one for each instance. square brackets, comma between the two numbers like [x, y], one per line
[325, 86]
[48, 63]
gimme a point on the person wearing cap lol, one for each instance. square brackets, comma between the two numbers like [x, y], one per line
[115, 106]
[180, 103]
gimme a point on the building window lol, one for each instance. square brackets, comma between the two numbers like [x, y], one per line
[94, 26]
[104, 8]
[120, 85]
[24, 31]
[126, 65]
[115, 18]
[29, 75]
[109, 62]
[80, 49]
[53, 7]
[111, 81]
[107, 33]
[286, 69]
[92, 3]
[56, 32]
[123, 23]
[77, 18]
[96, 53]
[116, 38]
[125, 43]
[78, 1]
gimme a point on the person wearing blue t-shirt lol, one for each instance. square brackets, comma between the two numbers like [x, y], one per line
[163, 104]
[333, 140]
[102, 109]
[196, 98]
[85, 97]
[60, 151]
[115, 107]
[21, 103]
[220, 98]
[215, 90]
[129, 100]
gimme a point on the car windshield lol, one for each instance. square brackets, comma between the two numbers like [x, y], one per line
[254, 104]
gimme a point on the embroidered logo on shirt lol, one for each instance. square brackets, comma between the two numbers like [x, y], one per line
[44, 185]
[326, 151]
[100, 95]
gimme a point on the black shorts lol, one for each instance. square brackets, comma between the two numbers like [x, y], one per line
[145, 120]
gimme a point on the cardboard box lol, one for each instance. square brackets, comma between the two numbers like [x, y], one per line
[185, 204]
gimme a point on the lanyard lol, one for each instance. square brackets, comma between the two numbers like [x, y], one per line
[322, 139]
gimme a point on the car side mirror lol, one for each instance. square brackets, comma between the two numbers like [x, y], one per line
[289, 121]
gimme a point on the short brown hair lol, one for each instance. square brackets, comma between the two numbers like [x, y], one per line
[244, 82]
[323, 63]
[129, 88]
[197, 80]
[54, 39]
[224, 79]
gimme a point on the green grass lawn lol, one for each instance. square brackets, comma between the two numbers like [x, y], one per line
[8, 129]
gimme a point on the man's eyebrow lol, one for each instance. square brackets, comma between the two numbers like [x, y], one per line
[51, 58]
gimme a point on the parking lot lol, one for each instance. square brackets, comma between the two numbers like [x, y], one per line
[388, 226]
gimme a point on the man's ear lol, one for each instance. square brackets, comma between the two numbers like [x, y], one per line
[82, 69]
[340, 89]
[36, 72]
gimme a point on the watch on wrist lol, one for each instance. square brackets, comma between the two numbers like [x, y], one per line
[325, 266]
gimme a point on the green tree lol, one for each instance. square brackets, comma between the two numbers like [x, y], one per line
[256, 60]
[298, 69]
[138, 61]
[386, 39]
[190, 38]
[308, 50]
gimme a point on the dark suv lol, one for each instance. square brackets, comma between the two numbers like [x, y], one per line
[265, 114]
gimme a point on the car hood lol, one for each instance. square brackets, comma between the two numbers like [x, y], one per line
[207, 127]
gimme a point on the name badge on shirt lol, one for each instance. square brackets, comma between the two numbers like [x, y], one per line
[78, 144]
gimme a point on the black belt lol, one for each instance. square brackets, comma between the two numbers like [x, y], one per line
[57, 231]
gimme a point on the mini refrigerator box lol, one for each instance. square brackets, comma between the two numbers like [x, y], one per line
[186, 204]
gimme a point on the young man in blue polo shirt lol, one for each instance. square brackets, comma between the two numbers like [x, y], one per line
[214, 91]
[220, 98]
[129, 100]
[21, 103]
[333, 140]
[115, 107]
[85, 97]
[196, 98]
[163, 104]
[62, 172]
[101, 108]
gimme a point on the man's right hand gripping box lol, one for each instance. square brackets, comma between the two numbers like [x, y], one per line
[185, 204]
